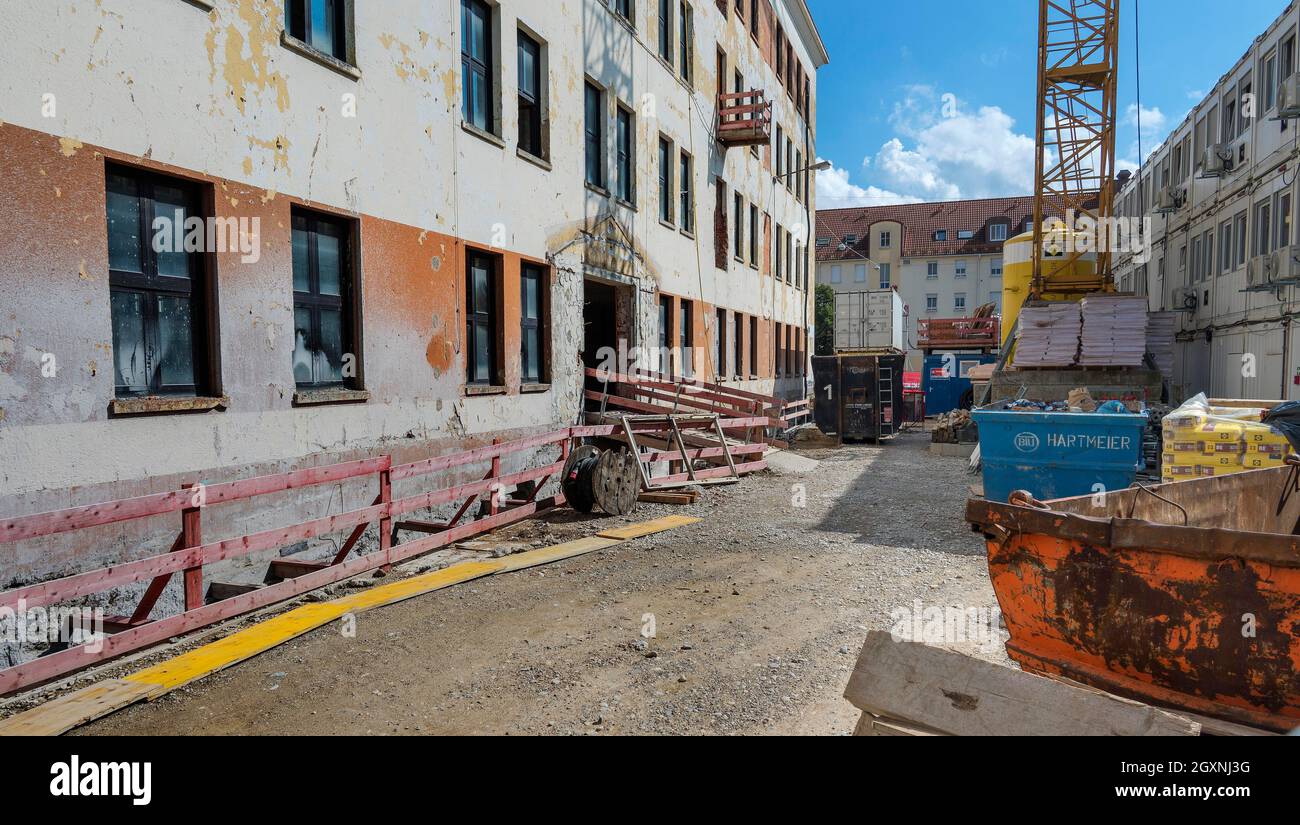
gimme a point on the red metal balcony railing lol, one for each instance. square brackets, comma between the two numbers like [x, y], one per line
[959, 333]
[744, 118]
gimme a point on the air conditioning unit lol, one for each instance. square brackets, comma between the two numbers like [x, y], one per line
[1259, 274]
[1286, 266]
[1170, 199]
[1288, 98]
[1185, 299]
[1216, 160]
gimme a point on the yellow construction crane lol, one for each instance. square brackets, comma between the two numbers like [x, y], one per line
[1078, 55]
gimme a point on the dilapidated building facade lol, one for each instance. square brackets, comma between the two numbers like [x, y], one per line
[246, 236]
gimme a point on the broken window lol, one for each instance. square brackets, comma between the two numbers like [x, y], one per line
[321, 24]
[323, 355]
[481, 316]
[157, 284]
[533, 313]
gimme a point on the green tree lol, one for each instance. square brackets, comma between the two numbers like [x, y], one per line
[825, 319]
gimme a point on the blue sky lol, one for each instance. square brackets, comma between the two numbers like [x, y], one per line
[879, 100]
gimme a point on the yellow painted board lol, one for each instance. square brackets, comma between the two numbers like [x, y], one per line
[646, 528]
[61, 715]
[417, 585]
[546, 555]
[218, 655]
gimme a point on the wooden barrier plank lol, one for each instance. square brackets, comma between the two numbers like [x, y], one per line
[946, 691]
[112, 512]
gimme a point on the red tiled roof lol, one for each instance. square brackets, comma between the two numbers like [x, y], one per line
[920, 221]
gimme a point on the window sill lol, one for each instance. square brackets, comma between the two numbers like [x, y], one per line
[329, 61]
[599, 190]
[539, 162]
[688, 233]
[483, 389]
[158, 404]
[532, 389]
[204, 5]
[329, 395]
[668, 224]
[626, 204]
[482, 135]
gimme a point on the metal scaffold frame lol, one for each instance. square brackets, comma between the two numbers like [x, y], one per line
[1078, 55]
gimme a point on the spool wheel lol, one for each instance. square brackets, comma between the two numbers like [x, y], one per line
[616, 482]
[577, 489]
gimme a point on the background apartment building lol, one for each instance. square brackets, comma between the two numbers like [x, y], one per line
[944, 259]
[1220, 192]
[457, 204]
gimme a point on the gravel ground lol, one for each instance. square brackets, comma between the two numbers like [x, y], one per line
[758, 613]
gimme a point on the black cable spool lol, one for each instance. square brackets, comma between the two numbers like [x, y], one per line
[610, 479]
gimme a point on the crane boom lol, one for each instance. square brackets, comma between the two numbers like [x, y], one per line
[1074, 167]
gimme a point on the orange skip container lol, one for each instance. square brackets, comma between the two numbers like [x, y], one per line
[1183, 595]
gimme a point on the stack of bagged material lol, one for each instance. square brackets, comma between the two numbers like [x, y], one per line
[1114, 331]
[1049, 335]
[1161, 328]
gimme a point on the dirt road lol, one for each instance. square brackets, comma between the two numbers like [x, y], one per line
[758, 613]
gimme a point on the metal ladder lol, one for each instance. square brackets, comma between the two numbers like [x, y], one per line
[885, 402]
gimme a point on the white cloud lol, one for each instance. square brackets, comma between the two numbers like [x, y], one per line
[1153, 125]
[836, 191]
[939, 152]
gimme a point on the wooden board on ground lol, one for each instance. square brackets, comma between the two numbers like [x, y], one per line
[61, 715]
[683, 497]
[915, 685]
[634, 531]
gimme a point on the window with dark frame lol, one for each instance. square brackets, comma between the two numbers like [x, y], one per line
[476, 64]
[665, 335]
[623, 8]
[594, 134]
[625, 141]
[666, 30]
[753, 347]
[738, 350]
[530, 96]
[753, 17]
[738, 241]
[481, 320]
[685, 44]
[686, 192]
[157, 296]
[753, 235]
[533, 311]
[665, 180]
[778, 350]
[720, 333]
[321, 24]
[323, 354]
[687, 341]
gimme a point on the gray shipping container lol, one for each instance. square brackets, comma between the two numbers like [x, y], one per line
[869, 321]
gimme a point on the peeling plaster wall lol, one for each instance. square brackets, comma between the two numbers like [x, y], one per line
[217, 98]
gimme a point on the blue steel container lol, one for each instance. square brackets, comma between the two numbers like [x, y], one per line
[947, 378]
[1058, 454]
